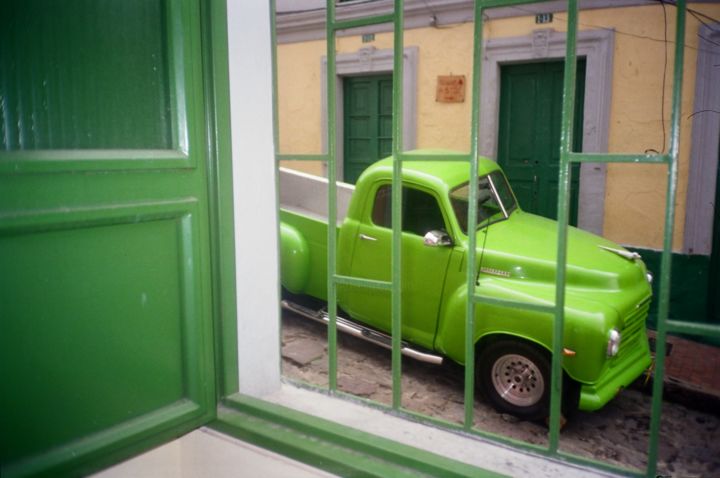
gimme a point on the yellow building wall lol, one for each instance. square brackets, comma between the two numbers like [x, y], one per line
[635, 194]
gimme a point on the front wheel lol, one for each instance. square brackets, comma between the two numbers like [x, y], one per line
[514, 377]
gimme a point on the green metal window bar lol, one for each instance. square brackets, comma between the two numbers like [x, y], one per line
[567, 156]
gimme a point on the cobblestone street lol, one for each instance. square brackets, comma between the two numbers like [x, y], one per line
[616, 434]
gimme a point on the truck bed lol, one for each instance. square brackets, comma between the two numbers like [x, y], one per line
[303, 206]
[307, 195]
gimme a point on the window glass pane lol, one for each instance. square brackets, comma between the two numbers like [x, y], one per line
[84, 74]
[421, 212]
[488, 208]
[382, 215]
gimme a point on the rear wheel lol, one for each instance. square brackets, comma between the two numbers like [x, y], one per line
[514, 376]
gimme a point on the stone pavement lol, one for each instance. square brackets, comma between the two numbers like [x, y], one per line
[616, 434]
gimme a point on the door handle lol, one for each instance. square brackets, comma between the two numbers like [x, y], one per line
[365, 237]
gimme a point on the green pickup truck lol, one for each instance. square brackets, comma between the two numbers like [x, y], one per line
[607, 296]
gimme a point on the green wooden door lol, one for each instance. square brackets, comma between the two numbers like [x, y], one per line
[367, 123]
[529, 133]
[714, 280]
[105, 311]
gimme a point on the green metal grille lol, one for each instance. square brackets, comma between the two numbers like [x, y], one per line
[567, 156]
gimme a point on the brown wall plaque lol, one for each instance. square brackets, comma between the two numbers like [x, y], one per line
[450, 89]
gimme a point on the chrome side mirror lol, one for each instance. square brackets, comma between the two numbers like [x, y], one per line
[437, 239]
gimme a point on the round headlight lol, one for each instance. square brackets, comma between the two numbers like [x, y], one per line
[613, 345]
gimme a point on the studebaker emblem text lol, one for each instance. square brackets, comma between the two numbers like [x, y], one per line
[494, 272]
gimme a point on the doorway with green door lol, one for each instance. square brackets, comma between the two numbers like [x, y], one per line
[529, 133]
[367, 120]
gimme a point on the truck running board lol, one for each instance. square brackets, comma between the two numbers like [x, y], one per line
[360, 331]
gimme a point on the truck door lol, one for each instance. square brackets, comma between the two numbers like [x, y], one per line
[423, 267]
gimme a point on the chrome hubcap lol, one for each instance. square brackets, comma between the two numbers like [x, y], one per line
[517, 380]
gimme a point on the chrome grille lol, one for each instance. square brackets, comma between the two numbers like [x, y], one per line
[633, 326]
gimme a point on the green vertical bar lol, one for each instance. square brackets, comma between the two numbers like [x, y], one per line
[276, 131]
[469, 399]
[664, 299]
[397, 205]
[332, 192]
[566, 141]
[273, 32]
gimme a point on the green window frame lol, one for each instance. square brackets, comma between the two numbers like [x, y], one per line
[249, 414]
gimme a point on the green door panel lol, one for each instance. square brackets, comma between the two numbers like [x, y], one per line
[529, 134]
[105, 309]
[67, 83]
[367, 123]
[714, 281]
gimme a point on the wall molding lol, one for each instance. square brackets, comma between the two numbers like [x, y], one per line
[699, 209]
[546, 44]
[310, 25]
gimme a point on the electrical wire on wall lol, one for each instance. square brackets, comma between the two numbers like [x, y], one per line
[695, 14]
[704, 19]
[699, 16]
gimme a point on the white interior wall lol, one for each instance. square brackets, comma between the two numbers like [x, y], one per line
[255, 197]
[207, 453]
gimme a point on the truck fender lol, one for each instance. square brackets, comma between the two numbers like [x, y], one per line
[536, 328]
[294, 259]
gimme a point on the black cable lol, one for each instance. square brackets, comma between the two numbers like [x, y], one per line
[697, 12]
[689, 10]
[698, 18]
[698, 15]
[619, 32]
[702, 111]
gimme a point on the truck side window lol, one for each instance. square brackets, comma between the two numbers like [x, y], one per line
[421, 212]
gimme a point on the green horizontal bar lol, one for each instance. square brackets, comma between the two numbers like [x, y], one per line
[73, 160]
[418, 417]
[368, 283]
[363, 22]
[331, 446]
[544, 309]
[693, 328]
[618, 158]
[301, 157]
[435, 157]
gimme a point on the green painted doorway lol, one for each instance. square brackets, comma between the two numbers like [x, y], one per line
[367, 111]
[529, 133]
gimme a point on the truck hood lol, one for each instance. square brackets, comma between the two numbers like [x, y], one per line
[524, 246]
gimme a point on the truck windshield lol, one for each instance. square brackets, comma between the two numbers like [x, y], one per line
[495, 200]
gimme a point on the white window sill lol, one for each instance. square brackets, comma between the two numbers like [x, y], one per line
[471, 450]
